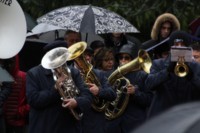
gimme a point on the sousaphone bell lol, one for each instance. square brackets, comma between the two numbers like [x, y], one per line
[12, 29]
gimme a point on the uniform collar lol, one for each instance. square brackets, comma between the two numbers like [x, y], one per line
[46, 71]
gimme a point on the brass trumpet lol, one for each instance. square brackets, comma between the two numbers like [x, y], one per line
[181, 69]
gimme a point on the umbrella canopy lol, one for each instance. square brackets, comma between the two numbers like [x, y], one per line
[179, 119]
[88, 19]
[43, 28]
[30, 22]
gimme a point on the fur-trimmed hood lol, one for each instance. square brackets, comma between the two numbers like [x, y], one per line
[160, 20]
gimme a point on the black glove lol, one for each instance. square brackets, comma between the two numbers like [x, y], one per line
[190, 72]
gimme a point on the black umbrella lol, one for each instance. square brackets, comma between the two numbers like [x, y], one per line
[31, 54]
[30, 22]
[183, 118]
[88, 26]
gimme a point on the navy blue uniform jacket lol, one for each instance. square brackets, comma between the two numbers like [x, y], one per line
[170, 89]
[136, 110]
[46, 113]
[93, 121]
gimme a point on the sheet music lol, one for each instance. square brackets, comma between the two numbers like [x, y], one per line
[185, 52]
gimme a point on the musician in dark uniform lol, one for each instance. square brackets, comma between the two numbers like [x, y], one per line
[170, 89]
[94, 120]
[139, 98]
[48, 113]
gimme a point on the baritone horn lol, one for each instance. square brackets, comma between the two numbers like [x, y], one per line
[12, 30]
[55, 60]
[142, 61]
[87, 72]
[116, 108]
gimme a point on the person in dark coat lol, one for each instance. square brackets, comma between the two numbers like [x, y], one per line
[170, 89]
[104, 60]
[163, 26]
[48, 113]
[94, 119]
[72, 37]
[117, 40]
[127, 53]
[5, 90]
[197, 33]
[16, 108]
[96, 45]
[139, 98]
[196, 51]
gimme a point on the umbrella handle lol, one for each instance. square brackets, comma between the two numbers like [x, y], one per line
[56, 34]
[86, 37]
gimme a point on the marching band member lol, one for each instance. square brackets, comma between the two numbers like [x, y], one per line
[94, 120]
[170, 89]
[47, 107]
[139, 98]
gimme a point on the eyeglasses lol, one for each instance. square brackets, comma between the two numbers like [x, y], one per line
[124, 57]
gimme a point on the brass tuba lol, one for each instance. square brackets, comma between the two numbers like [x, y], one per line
[115, 108]
[86, 72]
[55, 60]
[181, 69]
